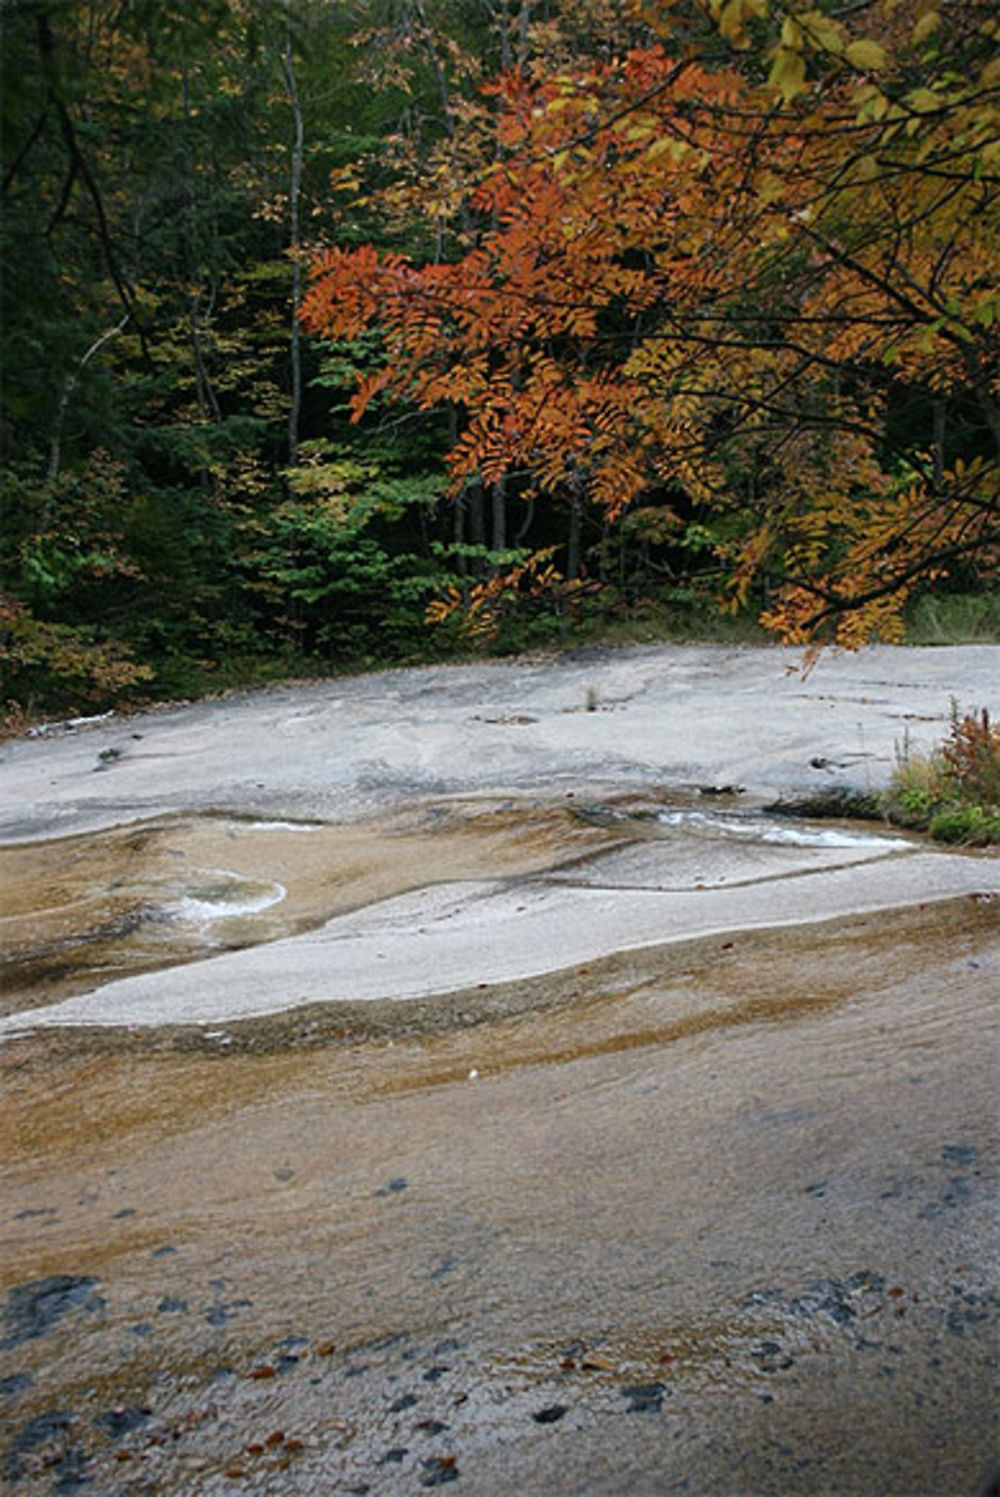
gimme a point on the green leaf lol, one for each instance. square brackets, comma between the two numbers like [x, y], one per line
[788, 74]
[865, 54]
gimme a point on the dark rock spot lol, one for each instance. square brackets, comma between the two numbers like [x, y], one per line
[959, 1154]
[439, 1471]
[393, 1187]
[117, 1423]
[71, 1471]
[33, 1309]
[837, 801]
[550, 1415]
[17, 1382]
[34, 1433]
[219, 1314]
[405, 1401]
[644, 1398]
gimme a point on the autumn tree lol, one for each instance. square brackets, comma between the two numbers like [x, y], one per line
[769, 296]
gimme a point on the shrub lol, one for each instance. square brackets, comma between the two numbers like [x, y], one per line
[972, 826]
[953, 792]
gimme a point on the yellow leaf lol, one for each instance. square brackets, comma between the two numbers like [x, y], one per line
[865, 54]
[791, 34]
[872, 103]
[925, 26]
[770, 188]
[788, 73]
[823, 32]
[733, 17]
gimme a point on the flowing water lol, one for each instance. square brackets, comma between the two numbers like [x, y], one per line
[714, 1217]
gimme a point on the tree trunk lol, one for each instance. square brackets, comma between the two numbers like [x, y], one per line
[499, 506]
[294, 196]
[940, 408]
[69, 385]
[575, 529]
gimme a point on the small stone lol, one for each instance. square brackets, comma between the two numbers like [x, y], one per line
[439, 1471]
[393, 1187]
[644, 1398]
[550, 1415]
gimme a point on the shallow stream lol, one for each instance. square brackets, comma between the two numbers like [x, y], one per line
[78, 911]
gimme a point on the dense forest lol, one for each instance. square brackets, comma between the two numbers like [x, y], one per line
[346, 331]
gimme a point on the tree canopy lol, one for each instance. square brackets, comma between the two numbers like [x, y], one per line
[771, 294]
[318, 324]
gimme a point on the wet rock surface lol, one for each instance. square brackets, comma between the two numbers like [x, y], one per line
[697, 1208]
